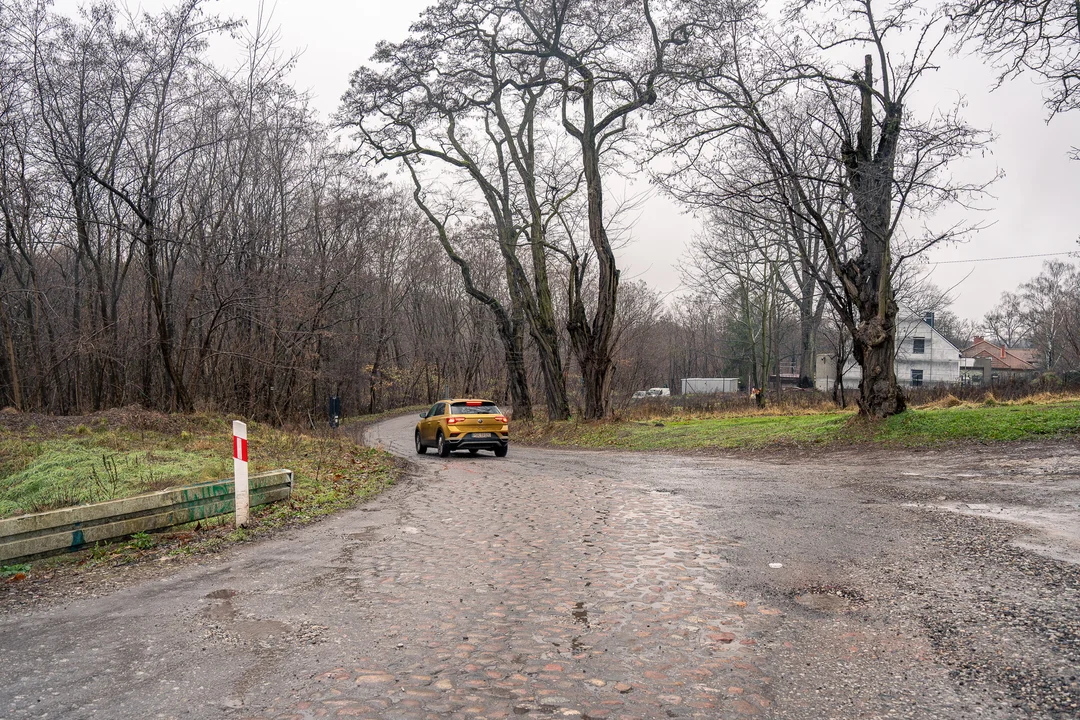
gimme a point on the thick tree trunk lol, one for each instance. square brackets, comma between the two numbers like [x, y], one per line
[807, 337]
[596, 368]
[555, 399]
[516, 377]
[596, 374]
[592, 341]
[875, 350]
[540, 313]
[543, 330]
[870, 174]
[12, 361]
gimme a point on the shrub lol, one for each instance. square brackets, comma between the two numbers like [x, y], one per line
[1049, 381]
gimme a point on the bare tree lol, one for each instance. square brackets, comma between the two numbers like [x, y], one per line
[1007, 322]
[740, 80]
[957, 330]
[457, 98]
[738, 259]
[1039, 36]
[422, 108]
[606, 59]
[1045, 300]
[741, 182]
[181, 235]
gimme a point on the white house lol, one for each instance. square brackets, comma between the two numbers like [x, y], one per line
[923, 356]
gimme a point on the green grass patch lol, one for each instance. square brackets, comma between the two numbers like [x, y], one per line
[47, 463]
[990, 423]
[84, 469]
[331, 472]
[688, 434]
[917, 427]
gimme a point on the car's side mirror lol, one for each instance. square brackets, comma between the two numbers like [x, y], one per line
[423, 414]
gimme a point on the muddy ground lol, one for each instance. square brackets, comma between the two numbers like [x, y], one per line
[854, 584]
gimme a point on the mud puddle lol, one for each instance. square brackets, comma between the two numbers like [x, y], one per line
[1052, 532]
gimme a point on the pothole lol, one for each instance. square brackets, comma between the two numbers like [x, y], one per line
[828, 599]
[261, 629]
[220, 612]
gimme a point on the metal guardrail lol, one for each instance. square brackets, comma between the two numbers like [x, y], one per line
[48, 533]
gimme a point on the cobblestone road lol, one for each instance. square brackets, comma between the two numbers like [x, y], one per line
[605, 585]
[562, 593]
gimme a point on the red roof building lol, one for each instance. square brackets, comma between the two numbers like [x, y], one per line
[1005, 363]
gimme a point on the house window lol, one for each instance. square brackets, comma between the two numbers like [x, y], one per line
[920, 346]
[916, 378]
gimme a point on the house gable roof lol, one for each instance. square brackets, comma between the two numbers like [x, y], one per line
[1001, 358]
[918, 323]
[1030, 355]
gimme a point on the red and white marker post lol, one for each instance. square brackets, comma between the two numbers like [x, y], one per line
[240, 471]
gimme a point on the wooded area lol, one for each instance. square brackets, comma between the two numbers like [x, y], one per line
[186, 236]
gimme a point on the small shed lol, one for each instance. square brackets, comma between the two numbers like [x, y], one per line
[704, 386]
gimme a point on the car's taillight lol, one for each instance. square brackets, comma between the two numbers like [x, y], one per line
[454, 420]
[501, 418]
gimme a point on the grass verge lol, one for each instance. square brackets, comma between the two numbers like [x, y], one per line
[48, 462]
[929, 426]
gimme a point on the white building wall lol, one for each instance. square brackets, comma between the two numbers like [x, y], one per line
[825, 377]
[939, 361]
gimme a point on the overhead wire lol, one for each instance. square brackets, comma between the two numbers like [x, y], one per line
[1009, 257]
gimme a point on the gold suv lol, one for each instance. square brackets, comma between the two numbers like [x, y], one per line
[471, 425]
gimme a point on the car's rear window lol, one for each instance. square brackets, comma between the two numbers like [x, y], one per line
[484, 408]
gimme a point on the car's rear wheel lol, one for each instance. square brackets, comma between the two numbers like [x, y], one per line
[421, 448]
[501, 451]
[444, 448]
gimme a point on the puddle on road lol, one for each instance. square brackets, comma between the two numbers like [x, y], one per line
[260, 629]
[363, 535]
[1055, 533]
[829, 598]
[220, 612]
[823, 602]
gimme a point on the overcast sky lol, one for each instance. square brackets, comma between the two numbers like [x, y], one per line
[1034, 211]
